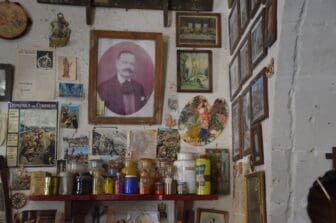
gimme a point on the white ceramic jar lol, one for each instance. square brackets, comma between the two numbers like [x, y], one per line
[185, 170]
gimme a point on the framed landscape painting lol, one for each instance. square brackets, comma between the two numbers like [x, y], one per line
[234, 26]
[234, 76]
[258, 46]
[198, 29]
[256, 200]
[126, 81]
[236, 130]
[259, 98]
[194, 71]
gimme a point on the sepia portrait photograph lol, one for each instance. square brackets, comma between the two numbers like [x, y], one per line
[67, 68]
[125, 77]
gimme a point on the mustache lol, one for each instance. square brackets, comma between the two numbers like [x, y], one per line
[128, 70]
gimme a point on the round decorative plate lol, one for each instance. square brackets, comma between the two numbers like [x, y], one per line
[18, 200]
[200, 123]
[13, 20]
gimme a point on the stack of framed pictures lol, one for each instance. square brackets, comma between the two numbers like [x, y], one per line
[252, 30]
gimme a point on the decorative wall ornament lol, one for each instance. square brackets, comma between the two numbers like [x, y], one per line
[60, 32]
[200, 123]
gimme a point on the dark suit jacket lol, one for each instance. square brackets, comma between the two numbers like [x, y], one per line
[110, 92]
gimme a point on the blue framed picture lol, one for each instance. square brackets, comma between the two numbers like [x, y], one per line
[71, 90]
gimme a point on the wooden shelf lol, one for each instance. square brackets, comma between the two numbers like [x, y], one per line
[121, 197]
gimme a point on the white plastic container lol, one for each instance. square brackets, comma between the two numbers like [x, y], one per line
[185, 170]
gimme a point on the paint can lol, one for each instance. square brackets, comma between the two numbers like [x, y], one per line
[131, 184]
[203, 169]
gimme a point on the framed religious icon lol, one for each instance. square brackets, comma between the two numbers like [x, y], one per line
[257, 145]
[234, 76]
[254, 6]
[126, 79]
[236, 130]
[246, 121]
[198, 29]
[5, 213]
[211, 215]
[234, 26]
[271, 27]
[259, 98]
[220, 170]
[244, 11]
[194, 71]
[255, 200]
[258, 46]
[245, 63]
[6, 82]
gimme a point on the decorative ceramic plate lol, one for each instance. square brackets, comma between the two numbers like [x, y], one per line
[200, 123]
[18, 200]
[13, 20]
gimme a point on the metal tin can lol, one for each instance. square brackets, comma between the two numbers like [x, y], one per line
[131, 185]
[203, 183]
[54, 185]
[66, 182]
[98, 182]
[47, 185]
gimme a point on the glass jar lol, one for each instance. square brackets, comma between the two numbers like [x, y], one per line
[108, 185]
[131, 185]
[98, 182]
[181, 187]
[83, 184]
[119, 184]
[159, 188]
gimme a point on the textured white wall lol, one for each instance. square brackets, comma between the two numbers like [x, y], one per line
[122, 20]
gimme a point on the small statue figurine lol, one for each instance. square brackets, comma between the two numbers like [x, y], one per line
[60, 32]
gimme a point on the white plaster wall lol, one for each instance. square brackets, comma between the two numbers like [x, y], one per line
[303, 125]
[123, 20]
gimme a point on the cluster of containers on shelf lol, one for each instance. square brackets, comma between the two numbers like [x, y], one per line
[186, 175]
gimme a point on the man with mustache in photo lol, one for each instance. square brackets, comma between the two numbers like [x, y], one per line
[122, 94]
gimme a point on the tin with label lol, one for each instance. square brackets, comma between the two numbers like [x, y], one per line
[203, 169]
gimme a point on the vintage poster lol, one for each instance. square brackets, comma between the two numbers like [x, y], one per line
[67, 68]
[109, 142]
[75, 146]
[34, 74]
[36, 134]
[69, 116]
[143, 143]
[168, 144]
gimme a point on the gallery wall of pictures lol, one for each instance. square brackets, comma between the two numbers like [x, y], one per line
[252, 31]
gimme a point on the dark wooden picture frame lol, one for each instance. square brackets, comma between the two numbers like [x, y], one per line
[234, 26]
[194, 71]
[258, 44]
[245, 61]
[244, 12]
[211, 215]
[6, 81]
[246, 121]
[198, 30]
[236, 130]
[256, 199]
[220, 170]
[146, 82]
[259, 97]
[4, 190]
[257, 145]
[271, 22]
[254, 6]
[234, 76]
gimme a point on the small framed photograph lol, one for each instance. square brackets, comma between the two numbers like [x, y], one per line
[6, 82]
[194, 71]
[234, 76]
[271, 18]
[258, 46]
[211, 215]
[246, 121]
[255, 4]
[245, 63]
[244, 10]
[220, 170]
[256, 201]
[126, 81]
[234, 26]
[198, 30]
[259, 98]
[236, 130]
[71, 90]
[257, 145]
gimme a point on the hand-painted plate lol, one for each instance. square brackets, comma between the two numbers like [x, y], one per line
[200, 123]
[14, 21]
